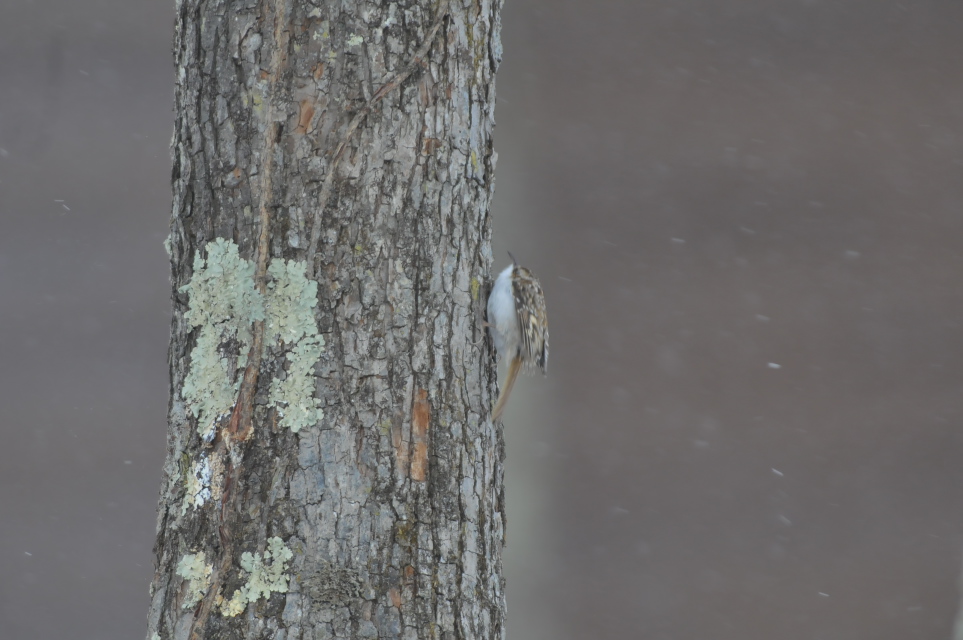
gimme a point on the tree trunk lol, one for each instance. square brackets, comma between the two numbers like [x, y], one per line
[332, 471]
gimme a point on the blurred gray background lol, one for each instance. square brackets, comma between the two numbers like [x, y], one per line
[747, 219]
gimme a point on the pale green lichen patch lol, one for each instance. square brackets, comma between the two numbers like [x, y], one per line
[197, 572]
[292, 297]
[224, 304]
[267, 576]
[294, 396]
[354, 40]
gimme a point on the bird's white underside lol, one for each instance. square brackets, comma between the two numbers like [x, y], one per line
[501, 315]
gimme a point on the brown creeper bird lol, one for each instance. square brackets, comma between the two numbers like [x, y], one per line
[519, 325]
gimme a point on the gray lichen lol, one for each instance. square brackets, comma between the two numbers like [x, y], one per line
[333, 584]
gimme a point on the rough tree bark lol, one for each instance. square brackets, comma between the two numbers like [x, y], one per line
[332, 471]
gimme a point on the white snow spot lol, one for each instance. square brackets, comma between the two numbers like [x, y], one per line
[198, 485]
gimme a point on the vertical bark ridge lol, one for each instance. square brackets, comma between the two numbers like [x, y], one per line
[241, 425]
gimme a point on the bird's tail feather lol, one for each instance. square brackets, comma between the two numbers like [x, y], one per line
[513, 370]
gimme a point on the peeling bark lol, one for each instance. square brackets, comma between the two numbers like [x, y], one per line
[352, 140]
